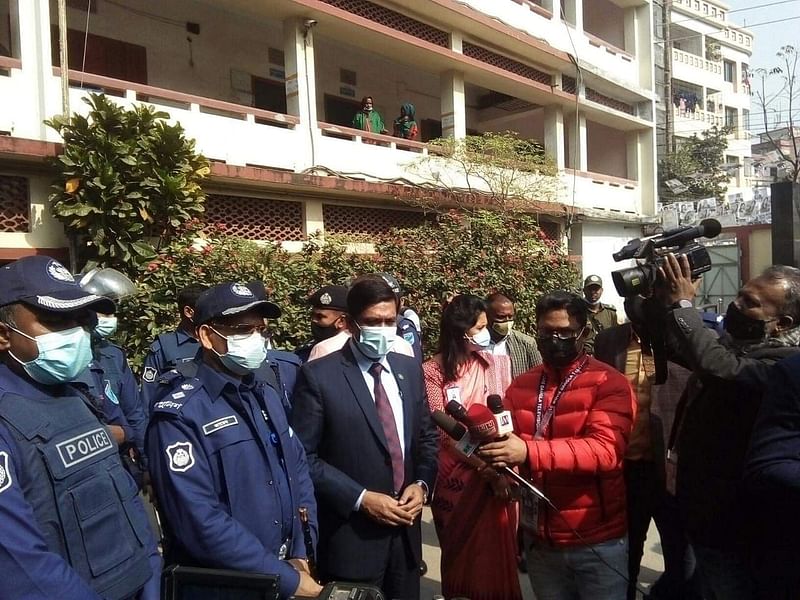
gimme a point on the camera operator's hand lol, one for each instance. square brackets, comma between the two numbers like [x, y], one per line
[677, 276]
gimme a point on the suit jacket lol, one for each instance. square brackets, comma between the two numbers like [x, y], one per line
[523, 351]
[611, 345]
[335, 418]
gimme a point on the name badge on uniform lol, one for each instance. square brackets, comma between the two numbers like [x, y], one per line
[453, 393]
[222, 423]
[529, 515]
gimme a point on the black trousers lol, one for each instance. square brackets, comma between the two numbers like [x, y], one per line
[642, 487]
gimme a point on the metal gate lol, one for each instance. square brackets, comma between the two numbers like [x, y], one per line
[721, 284]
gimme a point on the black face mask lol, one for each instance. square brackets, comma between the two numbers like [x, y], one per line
[320, 332]
[744, 328]
[556, 352]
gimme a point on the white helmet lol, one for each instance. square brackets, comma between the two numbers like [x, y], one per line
[107, 282]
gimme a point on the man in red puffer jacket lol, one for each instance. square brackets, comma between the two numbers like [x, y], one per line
[573, 416]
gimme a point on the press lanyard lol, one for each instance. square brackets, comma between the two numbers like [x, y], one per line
[543, 418]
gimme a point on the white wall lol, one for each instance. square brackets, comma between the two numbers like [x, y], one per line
[607, 150]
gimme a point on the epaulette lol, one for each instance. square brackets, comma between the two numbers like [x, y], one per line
[174, 393]
[610, 307]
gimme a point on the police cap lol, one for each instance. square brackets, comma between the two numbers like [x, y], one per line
[43, 282]
[231, 298]
[332, 297]
[592, 280]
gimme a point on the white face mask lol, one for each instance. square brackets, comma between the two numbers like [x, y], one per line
[376, 342]
[482, 339]
[245, 353]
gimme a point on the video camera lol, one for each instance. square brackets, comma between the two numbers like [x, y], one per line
[652, 251]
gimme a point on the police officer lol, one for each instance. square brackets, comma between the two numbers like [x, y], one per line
[172, 348]
[601, 316]
[408, 323]
[328, 317]
[229, 472]
[112, 375]
[73, 527]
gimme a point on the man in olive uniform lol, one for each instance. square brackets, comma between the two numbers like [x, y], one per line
[601, 316]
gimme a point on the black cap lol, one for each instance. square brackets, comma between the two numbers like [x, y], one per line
[43, 282]
[592, 280]
[333, 297]
[231, 298]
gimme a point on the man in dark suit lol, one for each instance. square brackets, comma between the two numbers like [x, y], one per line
[364, 420]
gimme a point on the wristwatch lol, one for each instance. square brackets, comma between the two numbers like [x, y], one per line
[683, 303]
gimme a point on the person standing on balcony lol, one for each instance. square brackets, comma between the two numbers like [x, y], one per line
[368, 119]
[405, 126]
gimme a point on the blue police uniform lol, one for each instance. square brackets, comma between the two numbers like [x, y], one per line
[119, 386]
[230, 474]
[286, 366]
[407, 330]
[73, 525]
[90, 385]
[166, 352]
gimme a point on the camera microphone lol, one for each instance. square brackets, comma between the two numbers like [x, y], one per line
[708, 228]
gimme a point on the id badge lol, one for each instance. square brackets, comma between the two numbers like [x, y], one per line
[671, 472]
[529, 515]
[453, 393]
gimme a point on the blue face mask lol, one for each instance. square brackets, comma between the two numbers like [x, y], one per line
[482, 339]
[245, 353]
[106, 326]
[376, 342]
[62, 355]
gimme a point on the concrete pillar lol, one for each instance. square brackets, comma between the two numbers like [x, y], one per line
[638, 41]
[314, 221]
[554, 135]
[785, 198]
[641, 154]
[454, 105]
[42, 89]
[573, 11]
[301, 94]
[577, 142]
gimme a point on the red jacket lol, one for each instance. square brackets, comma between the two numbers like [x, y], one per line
[578, 464]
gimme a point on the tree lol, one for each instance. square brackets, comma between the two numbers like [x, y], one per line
[491, 170]
[127, 182]
[778, 108]
[698, 166]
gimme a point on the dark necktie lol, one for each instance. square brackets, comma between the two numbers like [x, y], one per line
[386, 417]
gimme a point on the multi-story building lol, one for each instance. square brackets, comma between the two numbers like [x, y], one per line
[710, 83]
[268, 89]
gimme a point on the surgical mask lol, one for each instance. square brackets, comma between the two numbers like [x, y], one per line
[245, 353]
[482, 339]
[558, 352]
[106, 326]
[376, 342]
[62, 355]
[744, 328]
[503, 328]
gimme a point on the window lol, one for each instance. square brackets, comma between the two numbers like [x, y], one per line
[731, 118]
[730, 70]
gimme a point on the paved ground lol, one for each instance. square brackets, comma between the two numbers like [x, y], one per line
[652, 564]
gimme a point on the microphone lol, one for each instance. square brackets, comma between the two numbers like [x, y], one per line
[480, 423]
[501, 416]
[709, 228]
[458, 432]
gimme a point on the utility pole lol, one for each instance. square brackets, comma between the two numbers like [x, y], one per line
[669, 122]
[63, 58]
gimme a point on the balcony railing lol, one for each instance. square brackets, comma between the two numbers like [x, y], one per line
[700, 115]
[610, 48]
[687, 58]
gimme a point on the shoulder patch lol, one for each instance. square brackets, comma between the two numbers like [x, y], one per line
[218, 424]
[109, 392]
[5, 472]
[181, 456]
[149, 374]
[409, 337]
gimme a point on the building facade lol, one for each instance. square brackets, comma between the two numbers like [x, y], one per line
[710, 86]
[269, 89]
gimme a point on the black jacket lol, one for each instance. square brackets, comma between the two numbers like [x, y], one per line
[713, 426]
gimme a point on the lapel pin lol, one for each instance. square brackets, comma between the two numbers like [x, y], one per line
[400, 376]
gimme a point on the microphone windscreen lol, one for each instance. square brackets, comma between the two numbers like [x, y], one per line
[481, 422]
[711, 228]
[495, 403]
[448, 424]
[456, 410]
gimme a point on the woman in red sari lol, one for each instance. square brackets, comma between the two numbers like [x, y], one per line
[475, 520]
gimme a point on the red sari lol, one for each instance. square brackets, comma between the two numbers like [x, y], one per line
[476, 530]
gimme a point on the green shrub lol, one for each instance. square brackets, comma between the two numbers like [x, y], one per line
[480, 253]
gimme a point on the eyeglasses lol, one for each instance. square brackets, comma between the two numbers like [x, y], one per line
[562, 334]
[241, 330]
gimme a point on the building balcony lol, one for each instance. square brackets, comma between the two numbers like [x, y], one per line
[695, 69]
